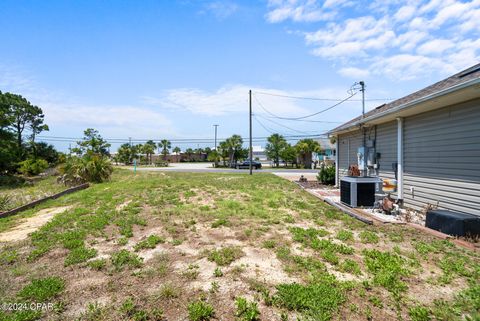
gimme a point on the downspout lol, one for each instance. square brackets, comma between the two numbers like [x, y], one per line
[337, 166]
[400, 159]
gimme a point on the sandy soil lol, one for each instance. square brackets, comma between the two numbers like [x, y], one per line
[31, 224]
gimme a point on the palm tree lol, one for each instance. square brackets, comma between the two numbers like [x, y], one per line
[305, 148]
[165, 144]
[149, 149]
[276, 144]
[234, 144]
[176, 150]
[189, 153]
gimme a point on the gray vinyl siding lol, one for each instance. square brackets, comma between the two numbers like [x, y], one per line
[442, 158]
[387, 147]
[347, 151]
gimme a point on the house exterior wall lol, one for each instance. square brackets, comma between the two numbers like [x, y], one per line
[441, 157]
[386, 145]
[347, 151]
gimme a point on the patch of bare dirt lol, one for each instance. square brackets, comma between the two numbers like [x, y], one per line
[123, 205]
[262, 264]
[31, 224]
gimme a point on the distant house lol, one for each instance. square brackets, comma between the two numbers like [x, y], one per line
[259, 153]
[429, 141]
[328, 150]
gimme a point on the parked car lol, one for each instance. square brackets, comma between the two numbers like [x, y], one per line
[246, 164]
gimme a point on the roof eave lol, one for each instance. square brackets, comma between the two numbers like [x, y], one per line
[408, 105]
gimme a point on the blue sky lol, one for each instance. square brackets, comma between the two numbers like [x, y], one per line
[172, 69]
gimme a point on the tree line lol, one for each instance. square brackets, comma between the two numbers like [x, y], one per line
[230, 151]
[20, 123]
[143, 153]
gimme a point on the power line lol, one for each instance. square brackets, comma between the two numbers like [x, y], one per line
[264, 127]
[281, 125]
[307, 116]
[316, 98]
[183, 141]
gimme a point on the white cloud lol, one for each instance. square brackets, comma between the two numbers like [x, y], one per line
[355, 73]
[225, 100]
[64, 112]
[435, 46]
[405, 13]
[221, 9]
[408, 38]
[297, 10]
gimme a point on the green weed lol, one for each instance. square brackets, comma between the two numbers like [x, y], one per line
[97, 264]
[344, 235]
[318, 301]
[368, 237]
[200, 311]
[220, 222]
[149, 243]
[40, 290]
[246, 311]
[225, 255]
[387, 269]
[269, 244]
[124, 258]
[79, 255]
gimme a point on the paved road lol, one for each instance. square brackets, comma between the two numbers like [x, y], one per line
[207, 167]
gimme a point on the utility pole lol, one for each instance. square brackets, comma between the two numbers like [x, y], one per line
[362, 84]
[215, 136]
[250, 120]
[130, 141]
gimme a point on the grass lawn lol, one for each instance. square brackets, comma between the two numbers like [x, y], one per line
[19, 192]
[201, 246]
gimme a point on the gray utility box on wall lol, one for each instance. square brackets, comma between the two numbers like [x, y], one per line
[358, 191]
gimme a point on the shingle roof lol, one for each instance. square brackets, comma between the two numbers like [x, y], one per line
[468, 74]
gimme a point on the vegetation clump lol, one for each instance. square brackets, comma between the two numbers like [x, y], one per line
[200, 311]
[149, 243]
[247, 310]
[387, 269]
[41, 290]
[124, 258]
[317, 301]
[327, 174]
[225, 255]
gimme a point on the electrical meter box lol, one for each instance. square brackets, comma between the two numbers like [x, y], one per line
[361, 153]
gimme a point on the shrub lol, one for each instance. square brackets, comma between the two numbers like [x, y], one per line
[33, 167]
[200, 311]
[89, 168]
[5, 201]
[327, 175]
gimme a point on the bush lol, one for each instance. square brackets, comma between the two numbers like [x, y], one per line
[33, 167]
[327, 175]
[89, 168]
